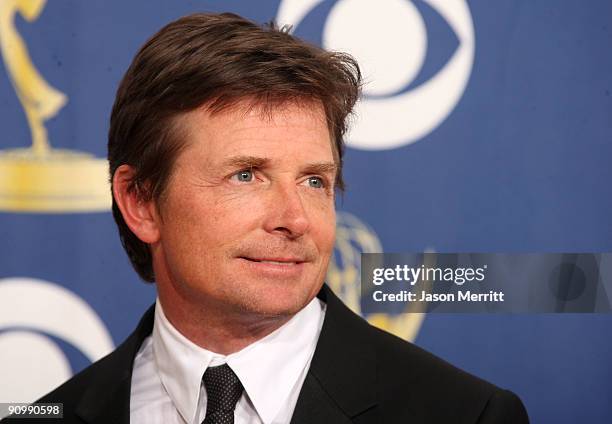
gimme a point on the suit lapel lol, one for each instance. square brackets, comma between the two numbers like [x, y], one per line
[340, 384]
[315, 406]
[108, 401]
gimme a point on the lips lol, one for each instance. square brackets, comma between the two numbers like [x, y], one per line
[274, 267]
[275, 261]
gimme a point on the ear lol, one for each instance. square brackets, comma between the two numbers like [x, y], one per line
[140, 215]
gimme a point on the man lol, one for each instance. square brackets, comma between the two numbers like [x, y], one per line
[225, 152]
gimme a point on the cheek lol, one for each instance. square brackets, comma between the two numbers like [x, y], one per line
[186, 225]
[233, 214]
[324, 230]
[212, 222]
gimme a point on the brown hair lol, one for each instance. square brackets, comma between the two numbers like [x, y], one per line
[217, 61]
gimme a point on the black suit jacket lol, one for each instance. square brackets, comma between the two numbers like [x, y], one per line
[358, 374]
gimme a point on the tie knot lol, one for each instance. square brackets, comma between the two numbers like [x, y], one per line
[223, 389]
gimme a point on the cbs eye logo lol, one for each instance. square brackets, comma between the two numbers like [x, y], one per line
[39, 323]
[409, 90]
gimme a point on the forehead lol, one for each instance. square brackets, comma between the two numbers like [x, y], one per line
[251, 128]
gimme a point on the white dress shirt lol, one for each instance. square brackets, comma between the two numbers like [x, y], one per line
[167, 375]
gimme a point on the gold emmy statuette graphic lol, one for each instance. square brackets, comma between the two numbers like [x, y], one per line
[39, 178]
[353, 237]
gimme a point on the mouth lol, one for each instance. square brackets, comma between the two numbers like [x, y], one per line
[274, 267]
[274, 261]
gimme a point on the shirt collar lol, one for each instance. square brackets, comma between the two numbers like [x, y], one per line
[269, 369]
[180, 363]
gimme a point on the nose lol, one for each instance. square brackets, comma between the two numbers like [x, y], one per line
[286, 212]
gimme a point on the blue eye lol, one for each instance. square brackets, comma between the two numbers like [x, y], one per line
[244, 176]
[315, 182]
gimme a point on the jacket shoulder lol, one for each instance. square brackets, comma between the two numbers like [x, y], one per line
[102, 390]
[73, 389]
[70, 393]
[438, 391]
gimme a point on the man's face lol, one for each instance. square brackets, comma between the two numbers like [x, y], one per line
[247, 220]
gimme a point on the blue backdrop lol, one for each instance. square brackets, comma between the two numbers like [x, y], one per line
[508, 149]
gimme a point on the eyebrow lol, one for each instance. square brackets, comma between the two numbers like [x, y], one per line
[246, 162]
[321, 168]
[259, 162]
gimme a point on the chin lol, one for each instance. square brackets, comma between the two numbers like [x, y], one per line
[275, 301]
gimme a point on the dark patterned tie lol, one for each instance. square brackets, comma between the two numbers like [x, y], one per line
[223, 390]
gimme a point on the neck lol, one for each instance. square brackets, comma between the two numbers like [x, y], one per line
[217, 330]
